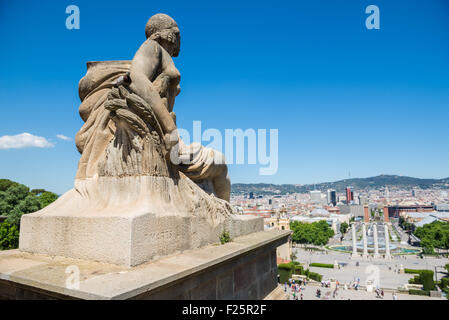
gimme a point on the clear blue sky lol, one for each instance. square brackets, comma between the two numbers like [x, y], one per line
[344, 98]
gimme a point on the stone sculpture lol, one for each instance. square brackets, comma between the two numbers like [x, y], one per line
[133, 201]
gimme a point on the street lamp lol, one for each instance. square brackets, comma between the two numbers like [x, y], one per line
[436, 276]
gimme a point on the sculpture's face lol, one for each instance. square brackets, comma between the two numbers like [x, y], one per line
[171, 41]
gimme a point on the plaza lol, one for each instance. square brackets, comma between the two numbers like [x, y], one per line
[385, 273]
[309, 293]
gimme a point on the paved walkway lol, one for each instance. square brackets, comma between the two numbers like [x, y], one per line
[309, 293]
[383, 270]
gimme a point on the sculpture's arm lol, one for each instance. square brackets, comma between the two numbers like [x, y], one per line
[146, 62]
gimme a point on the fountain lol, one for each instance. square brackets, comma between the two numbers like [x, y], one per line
[377, 243]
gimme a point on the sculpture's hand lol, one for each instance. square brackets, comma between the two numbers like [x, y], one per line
[171, 139]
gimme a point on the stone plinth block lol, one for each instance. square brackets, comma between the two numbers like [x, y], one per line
[129, 221]
[242, 269]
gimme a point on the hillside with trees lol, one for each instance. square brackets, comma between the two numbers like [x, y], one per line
[377, 182]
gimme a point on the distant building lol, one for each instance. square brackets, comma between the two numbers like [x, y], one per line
[353, 210]
[333, 210]
[332, 197]
[344, 208]
[363, 201]
[315, 196]
[396, 210]
[443, 207]
[277, 222]
[420, 219]
[349, 195]
[260, 212]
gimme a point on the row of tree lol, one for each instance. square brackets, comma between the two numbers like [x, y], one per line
[317, 233]
[16, 200]
[406, 225]
[433, 235]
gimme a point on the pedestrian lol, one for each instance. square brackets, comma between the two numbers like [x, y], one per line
[377, 293]
[302, 297]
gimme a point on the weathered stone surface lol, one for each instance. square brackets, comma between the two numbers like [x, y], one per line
[209, 272]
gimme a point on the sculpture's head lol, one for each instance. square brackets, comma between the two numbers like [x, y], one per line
[164, 30]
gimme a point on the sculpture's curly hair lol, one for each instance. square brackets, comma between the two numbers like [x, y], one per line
[156, 25]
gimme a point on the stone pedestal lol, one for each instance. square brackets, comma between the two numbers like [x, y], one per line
[242, 269]
[141, 219]
[365, 242]
[376, 242]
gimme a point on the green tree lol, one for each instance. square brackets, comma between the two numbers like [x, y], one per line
[37, 192]
[317, 233]
[344, 227]
[46, 198]
[434, 235]
[15, 201]
[5, 184]
[12, 197]
[426, 279]
[30, 204]
[9, 236]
